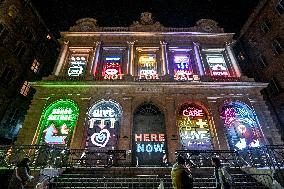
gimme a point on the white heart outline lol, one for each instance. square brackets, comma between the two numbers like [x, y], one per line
[106, 141]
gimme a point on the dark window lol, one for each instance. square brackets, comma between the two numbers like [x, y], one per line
[20, 50]
[278, 45]
[12, 118]
[29, 35]
[261, 61]
[265, 26]
[7, 76]
[3, 33]
[274, 86]
[280, 7]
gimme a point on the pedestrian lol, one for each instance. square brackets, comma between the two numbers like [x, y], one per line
[222, 177]
[181, 175]
[21, 175]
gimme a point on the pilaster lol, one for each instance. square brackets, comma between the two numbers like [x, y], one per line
[233, 60]
[198, 59]
[130, 63]
[165, 64]
[62, 58]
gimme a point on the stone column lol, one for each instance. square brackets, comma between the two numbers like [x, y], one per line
[94, 59]
[165, 64]
[198, 59]
[79, 139]
[269, 130]
[233, 60]
[62, 58]
[219, 138]
[130, 63]
[171, 130]
[125, 139]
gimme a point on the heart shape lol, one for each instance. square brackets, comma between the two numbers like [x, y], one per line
[101, 139]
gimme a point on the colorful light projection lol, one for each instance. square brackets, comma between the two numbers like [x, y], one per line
[103, 125]
[150, 143]
[59, 120]
[77, 66]
[217, 65]
[147, 67]
[241, 126]
[193, 128]
[112, 68]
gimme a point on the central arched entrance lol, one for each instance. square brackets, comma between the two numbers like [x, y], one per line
[148, 136]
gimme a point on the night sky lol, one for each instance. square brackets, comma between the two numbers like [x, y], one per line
[59, 15]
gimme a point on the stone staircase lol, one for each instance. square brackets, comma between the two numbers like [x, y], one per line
[139, 178]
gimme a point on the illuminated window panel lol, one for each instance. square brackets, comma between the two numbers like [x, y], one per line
[182, 65]
[193, 128]
[77, 66]
[147, 64]
[217, 65]
[241, 126]
[103, 125]
[112, 66]
[25, 88]
[58, 122]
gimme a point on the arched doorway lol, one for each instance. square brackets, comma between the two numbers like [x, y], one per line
[58, 122]
[148, 136]
[193, 125]
[103, 125]
[241, 126]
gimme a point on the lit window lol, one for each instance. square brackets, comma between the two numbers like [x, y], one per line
[35, 66]
[147, 64]
[112, 66]
[77, 66]
[265, 26]
[241, 56]
[274, 86]
[217, 65]
[261, 61]
[278, 45]
[280, 7]
[25, 88]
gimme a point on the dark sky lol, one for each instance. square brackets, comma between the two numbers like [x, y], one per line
[59, 15]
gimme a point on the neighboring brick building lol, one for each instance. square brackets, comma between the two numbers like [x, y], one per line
[260, 52]
[150, 90]
[27, 52]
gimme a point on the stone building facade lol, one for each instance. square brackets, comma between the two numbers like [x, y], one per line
[26, 54]
[150, 90]
[260, 52]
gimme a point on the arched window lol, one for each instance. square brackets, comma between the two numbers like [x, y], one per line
[58, 122]
[193, 125]
[241, 126]
[103, 125]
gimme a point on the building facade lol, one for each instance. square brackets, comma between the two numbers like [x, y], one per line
[260, 52]
[150, 90]
[26, 54]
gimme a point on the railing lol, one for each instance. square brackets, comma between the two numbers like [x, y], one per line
[251, 180]
[57, 157]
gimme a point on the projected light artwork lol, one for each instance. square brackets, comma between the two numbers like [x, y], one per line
[241, 126]
[77, 66]
[217, 65]
[112, 68]
[59, 120]
[147, 67]
[103, 124]
[193, 128]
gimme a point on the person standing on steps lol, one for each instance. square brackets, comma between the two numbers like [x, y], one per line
[222, 177]
[181, 175]
[21, 175]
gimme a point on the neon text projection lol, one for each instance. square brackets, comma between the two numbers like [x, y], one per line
[112, 68]
[77, 66]
[148, 67]
[59, 120]
[241, 126]
[103, 124]
[150, 143]
[193, 128]
[217, 65]
[183, 68]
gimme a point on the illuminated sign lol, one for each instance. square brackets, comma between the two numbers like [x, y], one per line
[58, 122]
[150, 143]
[112, 68]
[217, 65]
[103, 124]
[183, 69]
[77, 66]
[147, 66]
[193, 128]
[241, 126]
